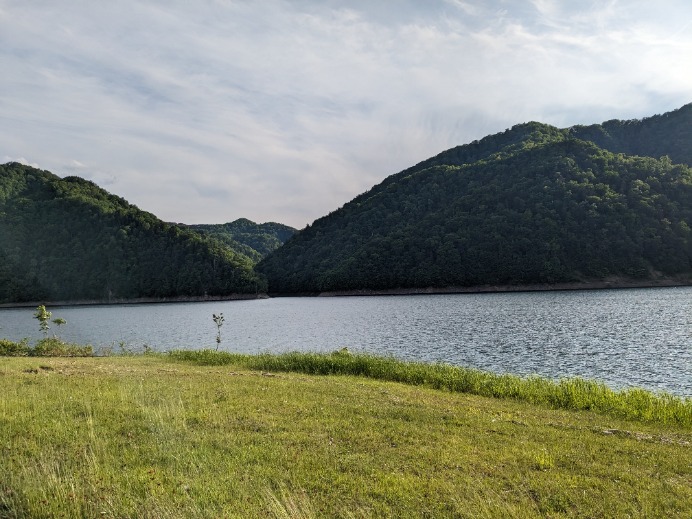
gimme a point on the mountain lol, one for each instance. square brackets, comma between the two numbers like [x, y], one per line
[533, 204]
[667, 134]
[254, 240]
[68, 239]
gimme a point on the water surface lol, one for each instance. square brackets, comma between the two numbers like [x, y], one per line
[633, 337]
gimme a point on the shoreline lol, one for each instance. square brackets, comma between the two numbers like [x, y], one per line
[136, 301]
[489, 289]
[477, 289]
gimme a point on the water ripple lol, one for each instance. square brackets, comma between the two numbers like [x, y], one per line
[637, 337]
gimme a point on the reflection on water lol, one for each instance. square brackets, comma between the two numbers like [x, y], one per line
[637, 337]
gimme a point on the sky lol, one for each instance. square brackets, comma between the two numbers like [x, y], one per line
[284, 110]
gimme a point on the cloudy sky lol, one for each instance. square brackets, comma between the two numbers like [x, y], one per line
[284, 110]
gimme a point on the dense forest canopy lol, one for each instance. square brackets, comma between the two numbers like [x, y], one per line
[254, 240]
[534, 204]
[668, 134]
[67, 239]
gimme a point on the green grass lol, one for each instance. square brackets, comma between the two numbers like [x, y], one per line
[575, 393]
[152, 436]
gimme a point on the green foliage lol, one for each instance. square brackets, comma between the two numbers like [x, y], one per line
[668, 134]
[254, 240]
[46, 347]
[67, 239]
[54, 347]
[531, 205]
[573, 394]
[14, 349]
[59, 322]
[43, 316]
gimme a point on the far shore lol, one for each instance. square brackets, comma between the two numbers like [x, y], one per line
[541, 287]
[479, 289]
[136, 301]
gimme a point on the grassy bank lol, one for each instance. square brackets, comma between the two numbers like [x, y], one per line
[574, 394]
[158, 436]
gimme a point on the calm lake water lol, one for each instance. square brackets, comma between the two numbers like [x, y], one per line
[635, 337]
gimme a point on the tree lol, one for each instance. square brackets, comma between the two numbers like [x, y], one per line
[218, 320]
[43, 317]
[59, 321]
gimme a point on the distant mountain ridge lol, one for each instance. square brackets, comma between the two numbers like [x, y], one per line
[533, 204]
[67, 239]
[254, 240]
[666, 134]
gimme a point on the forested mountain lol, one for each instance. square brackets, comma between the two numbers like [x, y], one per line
[67, 239]
[534, 204]
[667, 134]
[252, 239]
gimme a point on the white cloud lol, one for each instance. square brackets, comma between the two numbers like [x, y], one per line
[284, 110]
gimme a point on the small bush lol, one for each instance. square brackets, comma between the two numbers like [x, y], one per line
[54, 347]
[14, 349]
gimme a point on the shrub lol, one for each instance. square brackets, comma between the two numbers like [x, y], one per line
[54, 347]
[14, 349]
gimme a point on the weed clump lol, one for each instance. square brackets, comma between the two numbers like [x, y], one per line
[54, 347]
[46, 347]
[14, 349]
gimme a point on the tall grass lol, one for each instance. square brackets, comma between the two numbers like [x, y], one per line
[571, 394]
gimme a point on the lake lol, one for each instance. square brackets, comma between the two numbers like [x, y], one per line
[631, 337]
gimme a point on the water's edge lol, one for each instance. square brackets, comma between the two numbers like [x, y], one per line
[484, 289]
[635, 337]
[137, 300]
[609, 284]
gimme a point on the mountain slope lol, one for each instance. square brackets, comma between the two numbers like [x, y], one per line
[254, 240]
[533, 204]
[666, 134]
[67, 239]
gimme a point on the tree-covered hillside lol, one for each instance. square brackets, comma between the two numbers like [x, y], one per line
[68, 239]
[667, 134]
[534, 204]
[254, 240]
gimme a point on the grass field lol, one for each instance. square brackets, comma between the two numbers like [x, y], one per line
[212, 435]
